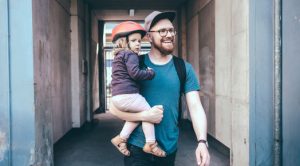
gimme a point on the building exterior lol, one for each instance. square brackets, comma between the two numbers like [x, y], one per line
[245, 54]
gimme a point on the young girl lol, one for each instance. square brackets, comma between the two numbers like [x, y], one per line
[127, 37]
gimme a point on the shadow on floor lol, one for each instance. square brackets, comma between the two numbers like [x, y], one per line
[90, 146]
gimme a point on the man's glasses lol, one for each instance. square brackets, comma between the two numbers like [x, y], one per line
[164, 32]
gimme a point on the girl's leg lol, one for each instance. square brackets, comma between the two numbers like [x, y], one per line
[137, 103]
[148, 129]
[127, 129]
[134, 103]
[140, 104]
[120, 141]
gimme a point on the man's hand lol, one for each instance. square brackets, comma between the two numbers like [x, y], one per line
[154, 115]
[202, 155]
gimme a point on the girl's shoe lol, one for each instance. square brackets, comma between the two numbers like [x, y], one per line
[121, 145]
[154, 149]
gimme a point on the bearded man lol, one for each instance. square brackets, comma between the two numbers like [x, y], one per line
[164, 89]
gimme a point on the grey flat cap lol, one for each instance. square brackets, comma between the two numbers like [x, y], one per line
[155, 16]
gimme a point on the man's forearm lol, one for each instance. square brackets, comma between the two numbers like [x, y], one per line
[199, 124]
[127, 116]
[198, 116]
[154, 115]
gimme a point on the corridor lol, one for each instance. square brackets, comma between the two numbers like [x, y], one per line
[55, 74]
[90, 146]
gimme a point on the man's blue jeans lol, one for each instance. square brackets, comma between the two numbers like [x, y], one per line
[139, 158]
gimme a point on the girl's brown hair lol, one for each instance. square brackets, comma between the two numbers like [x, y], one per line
[119, 45]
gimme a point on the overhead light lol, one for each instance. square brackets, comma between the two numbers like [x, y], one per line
[131, 12]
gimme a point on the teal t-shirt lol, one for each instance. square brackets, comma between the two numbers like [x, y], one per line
[164, 89]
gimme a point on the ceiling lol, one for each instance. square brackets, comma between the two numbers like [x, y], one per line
[136, 4]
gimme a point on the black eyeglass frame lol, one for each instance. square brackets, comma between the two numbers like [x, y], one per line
[161, 32]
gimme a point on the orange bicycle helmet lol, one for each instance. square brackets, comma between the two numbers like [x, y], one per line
[126, 28]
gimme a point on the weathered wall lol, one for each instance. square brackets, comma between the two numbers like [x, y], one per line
[201, 53]
[78, 63]
[60, 70]
[83, 61]
[223, 72]
[232, 78]
[94, 62]
[59, 39]
[52, 75]
[42, 78]
[240, 82]
[39, 74]
[225, 64]
[206, 61]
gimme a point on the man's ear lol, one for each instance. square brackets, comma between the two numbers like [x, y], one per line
[149, 37]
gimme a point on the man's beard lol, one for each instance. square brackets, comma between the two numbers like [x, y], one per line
[163, 50]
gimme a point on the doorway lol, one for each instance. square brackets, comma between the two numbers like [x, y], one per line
[108, 56]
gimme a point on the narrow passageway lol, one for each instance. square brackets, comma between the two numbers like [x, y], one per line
[92, 147]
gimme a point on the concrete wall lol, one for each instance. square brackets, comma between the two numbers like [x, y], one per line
[240, 82]
[59, 38]
[206, 61]
[52, 75]
[223, 72]
[38, 54]
[78, 63]
[200, 51]
[43, 82]
[94, 62]
[229, 120]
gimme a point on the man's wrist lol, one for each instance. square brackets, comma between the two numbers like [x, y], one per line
[203, 141]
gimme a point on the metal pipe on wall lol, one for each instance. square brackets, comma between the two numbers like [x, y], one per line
[277, 83]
